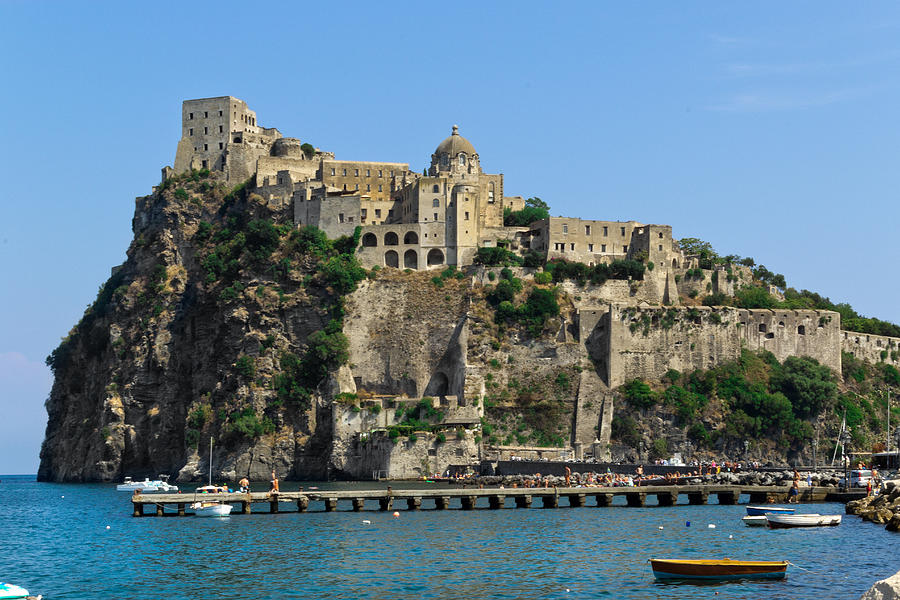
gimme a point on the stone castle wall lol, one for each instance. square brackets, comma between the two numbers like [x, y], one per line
[871, 348]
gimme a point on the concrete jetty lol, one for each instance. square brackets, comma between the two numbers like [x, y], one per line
[497, 498]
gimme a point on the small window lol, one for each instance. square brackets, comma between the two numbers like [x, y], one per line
[191, 116]
[206, 131]
[377, 213]
[435, 189]
[349, 219]
[221, 128]
[660, 235]
[762, 327]
[565, 228]
[191, 131]
[590, 247]
[357, 186]
[367, 173]
[587, 230]
[345, 172]
[660, 247]
[368, 187]
[220, 113]
[205, 147]
[436, 202]
[467, 216]
[623, 230]
[625, 248]
[356, 172]
[332, 171]
[205, 114]
[435, 216]
[380, 174]
[221, 145]
[362, 213]
[391, 213]
[605, 231]
[462, 159]
[572, 247]
[341, 218]
[392, 173]
[379, 187]
[602, 247]
[205, 164]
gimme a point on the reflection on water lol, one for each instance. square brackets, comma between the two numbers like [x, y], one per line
[60, 547]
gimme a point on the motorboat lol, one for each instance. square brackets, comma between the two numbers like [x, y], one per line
[755, 520]
[9, 591]
[803, 520]
[723, 569]
[147, 485]
[761, 510]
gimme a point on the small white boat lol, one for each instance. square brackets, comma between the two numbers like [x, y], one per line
[755, 520]
[803, 520]
[211, 509]
[8, 590]
[761, 510]
[147, 485]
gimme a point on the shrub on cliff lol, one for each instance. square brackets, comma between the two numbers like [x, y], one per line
[342, 273]
[638, 394]
[535, 210]
[496, 257]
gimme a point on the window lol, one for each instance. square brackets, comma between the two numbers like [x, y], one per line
[565, 228]
[191, 131]
[362, 213]
[357, 186]
[801, 329]
[341, 218]
[377, 213]
[392, 173]
[349, 219]
[205, 164]
[206, 131]
[379, 173]
[435, 216]
[367, 173]
[379, 187]
[462, 159]
[587, 230]
[590, 247]
[205, 147]
[572, 247]
[622, 230]
[332, 171]
[660, 235]
[221, 145]
[602, 247]
[605, 231]
[356, 172]
[467, 215]
[660, 247]
[391, 213]
[491, 193]
[220, 114]
[625, 249]
[205, 114]
[221, 129]
[191, 116]
[435, 189]
[368, 187]
[436, 202]
[345, 172]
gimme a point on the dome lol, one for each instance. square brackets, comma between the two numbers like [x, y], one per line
[455, 144]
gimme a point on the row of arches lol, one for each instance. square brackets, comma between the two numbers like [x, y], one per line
[370, 240]
[411, 258]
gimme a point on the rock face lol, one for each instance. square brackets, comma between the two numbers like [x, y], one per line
[886, 589]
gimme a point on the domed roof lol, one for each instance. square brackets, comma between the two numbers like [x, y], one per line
[455, 144]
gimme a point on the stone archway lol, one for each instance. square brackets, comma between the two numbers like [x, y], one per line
[435, 257]
[674, 263]
[392, 259]
[411, 237]
[369, 240]
[411, 259]
[391, 239]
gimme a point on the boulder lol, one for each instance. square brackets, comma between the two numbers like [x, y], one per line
[894, 523]
[886, 589]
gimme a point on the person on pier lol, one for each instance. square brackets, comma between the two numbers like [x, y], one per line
[274, 489]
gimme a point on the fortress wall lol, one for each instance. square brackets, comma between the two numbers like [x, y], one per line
[813, 333]
[300, 168]
[871, 348]
[646, 342]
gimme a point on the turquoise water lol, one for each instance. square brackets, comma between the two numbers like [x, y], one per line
[57, 545]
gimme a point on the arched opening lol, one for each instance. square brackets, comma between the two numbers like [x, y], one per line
[411, 259]
[436, 203]
[411, 237]
[369, 240]
[435, 188]
[674, 263]
[462, 158]
[391, 239]
[392, 259]
[435, 257]
[438, 386]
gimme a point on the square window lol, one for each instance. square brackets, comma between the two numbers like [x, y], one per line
[377, 213]
[221, 145]
[590, 247]
[602, 247]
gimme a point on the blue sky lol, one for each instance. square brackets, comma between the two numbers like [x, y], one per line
[769, 129]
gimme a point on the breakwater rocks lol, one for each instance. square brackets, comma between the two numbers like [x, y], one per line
[883, 509]
[618, 476]
[886, 589]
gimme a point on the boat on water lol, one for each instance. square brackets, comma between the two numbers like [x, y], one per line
[211, 508]
[721, 569]
[755, 520]
[147, 485]
[761, 510]
[804, 520]
[9, 591]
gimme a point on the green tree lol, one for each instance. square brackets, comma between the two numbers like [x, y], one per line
[535, 210]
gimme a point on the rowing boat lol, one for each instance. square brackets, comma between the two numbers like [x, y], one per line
[807, 520]
[755, 520]
[723, 569]
[761, 510]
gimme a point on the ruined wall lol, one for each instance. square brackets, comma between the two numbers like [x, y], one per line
[646, 342]
[871, 348]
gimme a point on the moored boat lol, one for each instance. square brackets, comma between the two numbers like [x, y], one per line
[9, 591]
[761, 510]
[147, 485]
[755, 520]
[803, 520]
[211, 509]
[723, 569]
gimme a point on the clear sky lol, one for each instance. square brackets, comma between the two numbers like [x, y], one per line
[769, 129]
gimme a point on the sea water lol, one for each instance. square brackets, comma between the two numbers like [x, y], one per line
[80, 541]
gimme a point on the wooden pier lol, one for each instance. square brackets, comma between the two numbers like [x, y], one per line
[497, 498]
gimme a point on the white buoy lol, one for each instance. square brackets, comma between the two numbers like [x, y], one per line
[62, 496]
[396, 515]
[660, 526]
[367, 522]
[730, 536]
[711, 526]
[107, 526]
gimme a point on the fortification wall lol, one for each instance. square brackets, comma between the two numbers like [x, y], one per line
[299, 167]
[871, 348]
[646, 342]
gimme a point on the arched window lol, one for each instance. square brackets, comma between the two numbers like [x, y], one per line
[391, 239]
[411, 237]
[410, 259]
[369, 240]
[445, 159]
[435, 257]
[435, 188]
[391, 259]
[436, 202]
[462, 158]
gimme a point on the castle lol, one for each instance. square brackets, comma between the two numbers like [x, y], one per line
[409, 220]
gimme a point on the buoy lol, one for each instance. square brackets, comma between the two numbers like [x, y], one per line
[367, 522]
[396, 515]
[62, 496]
[711, 526]
[687, 523]
[107, 526]
[730, 536]
[660, 526]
